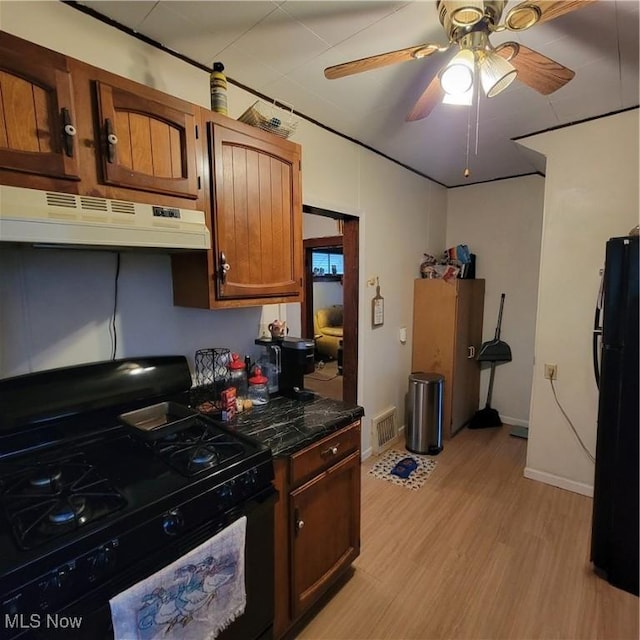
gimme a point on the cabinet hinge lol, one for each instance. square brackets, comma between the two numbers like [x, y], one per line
[197, 132]
[300, 281]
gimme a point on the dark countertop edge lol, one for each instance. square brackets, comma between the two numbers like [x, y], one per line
[343, 416]
[330, 427]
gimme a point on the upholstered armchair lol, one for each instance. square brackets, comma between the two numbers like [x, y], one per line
[327, 324]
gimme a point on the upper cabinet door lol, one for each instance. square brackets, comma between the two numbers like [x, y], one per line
[257, 213]
[37, 118]
[147, 144]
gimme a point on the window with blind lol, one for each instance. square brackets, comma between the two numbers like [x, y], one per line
[327, 263]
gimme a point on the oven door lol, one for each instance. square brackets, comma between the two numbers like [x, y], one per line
[257, 620]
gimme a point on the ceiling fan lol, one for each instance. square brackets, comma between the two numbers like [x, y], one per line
[469, 25]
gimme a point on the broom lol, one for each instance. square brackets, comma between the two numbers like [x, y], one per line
[487, 417]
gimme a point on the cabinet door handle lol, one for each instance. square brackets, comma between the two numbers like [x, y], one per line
[331, 451]
[224, 268]
[112, 141]
[68, 132]
[299, 522]
[472, 352]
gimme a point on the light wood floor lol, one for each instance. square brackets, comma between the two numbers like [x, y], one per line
[325, 380]
[478, 552]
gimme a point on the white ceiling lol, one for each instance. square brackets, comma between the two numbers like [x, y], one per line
[280, 49]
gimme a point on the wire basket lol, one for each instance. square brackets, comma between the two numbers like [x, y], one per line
[212, 377]
[270, 117]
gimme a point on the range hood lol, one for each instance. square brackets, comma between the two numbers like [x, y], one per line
[51, 218]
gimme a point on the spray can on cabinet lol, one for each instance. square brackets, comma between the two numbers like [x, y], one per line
[218, 84]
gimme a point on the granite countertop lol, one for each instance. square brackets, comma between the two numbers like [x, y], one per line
[286, 426]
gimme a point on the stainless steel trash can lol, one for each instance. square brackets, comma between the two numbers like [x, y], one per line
[424, 413]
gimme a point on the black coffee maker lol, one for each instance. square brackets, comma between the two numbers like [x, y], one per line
[297, 360]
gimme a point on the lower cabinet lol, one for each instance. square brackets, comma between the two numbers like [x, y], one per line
[317, 522]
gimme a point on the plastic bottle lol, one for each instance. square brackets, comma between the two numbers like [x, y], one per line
[218, 84]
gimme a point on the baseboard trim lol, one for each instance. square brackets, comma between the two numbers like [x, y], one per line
[559, 481]
[366, 454]
[514, 422]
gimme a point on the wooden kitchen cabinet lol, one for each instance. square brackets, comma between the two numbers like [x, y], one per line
[256, 212]
[447, 334]
[71, 127]
[317, 528]
[147, 141]
[38, 128]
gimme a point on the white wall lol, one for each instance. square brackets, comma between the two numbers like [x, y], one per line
[56, 305]
[316, 226]
[326, 294]
[501, 222]
[591, 194]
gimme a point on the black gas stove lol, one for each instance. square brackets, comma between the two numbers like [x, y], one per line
[88, 509]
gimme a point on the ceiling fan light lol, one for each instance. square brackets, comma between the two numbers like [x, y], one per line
[457, 77]
[467, 13]
[522, 17]
[464, 99]
[496, 74]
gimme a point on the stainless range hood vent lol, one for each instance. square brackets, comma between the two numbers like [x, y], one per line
[50, 218]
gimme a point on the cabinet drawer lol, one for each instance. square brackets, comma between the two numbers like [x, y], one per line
[324, 453]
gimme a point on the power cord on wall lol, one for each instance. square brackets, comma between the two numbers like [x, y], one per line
[575, 433]
[113, 332]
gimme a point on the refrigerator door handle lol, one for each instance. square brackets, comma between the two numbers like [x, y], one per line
[597, 331]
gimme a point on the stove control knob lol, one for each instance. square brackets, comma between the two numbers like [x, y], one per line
[107, 557]
[64, 577]
[225, 492]
[250, 477]
[172, 522]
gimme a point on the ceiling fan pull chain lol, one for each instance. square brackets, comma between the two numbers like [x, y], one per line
[467, 173]
[477, 114]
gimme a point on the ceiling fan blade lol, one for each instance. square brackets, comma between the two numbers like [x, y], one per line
[525, 14]
[428, 100]
[535, 70]
[381, 60]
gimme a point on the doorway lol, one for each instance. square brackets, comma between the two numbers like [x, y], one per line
[347, 246]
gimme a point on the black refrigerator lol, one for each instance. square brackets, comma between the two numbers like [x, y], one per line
[614, 535]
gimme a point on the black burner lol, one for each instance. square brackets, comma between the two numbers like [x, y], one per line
[67, 511]
[203, 456]
[45, 500]
[201, 447]
[48, 480]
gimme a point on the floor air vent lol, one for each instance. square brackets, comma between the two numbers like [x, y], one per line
[384, 430]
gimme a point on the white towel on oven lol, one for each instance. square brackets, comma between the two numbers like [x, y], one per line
[195, 598]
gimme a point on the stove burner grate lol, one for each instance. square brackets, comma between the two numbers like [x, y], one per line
[198, 448]
[52, 497]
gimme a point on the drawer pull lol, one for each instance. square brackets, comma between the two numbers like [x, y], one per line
[299, 524]
[331, 451]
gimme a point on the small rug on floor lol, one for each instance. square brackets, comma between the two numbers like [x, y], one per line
[324, 372]
[382, 468]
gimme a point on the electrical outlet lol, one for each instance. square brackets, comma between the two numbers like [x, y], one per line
[551, 371]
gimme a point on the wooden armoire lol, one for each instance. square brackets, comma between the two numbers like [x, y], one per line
[447, 334]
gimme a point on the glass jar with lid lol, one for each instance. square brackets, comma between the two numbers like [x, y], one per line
[238, 375]
[258, 387]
